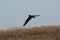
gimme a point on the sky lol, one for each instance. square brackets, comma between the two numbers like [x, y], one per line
[13, 13]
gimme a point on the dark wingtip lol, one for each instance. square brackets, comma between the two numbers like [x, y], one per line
[23, 25]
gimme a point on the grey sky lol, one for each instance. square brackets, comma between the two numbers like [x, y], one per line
[14, 12]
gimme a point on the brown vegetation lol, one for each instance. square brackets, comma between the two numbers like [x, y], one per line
[35, 33]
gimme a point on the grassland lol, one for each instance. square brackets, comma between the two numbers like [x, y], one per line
[35, 33]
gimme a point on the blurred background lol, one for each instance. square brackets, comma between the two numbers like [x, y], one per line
[13, 13]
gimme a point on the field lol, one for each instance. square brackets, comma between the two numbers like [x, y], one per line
[34, 33]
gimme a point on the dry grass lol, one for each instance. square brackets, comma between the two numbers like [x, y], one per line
[35, 33]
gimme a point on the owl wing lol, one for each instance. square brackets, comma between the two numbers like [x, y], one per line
[27, 20]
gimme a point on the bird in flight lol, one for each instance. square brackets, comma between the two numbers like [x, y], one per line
[29, 18]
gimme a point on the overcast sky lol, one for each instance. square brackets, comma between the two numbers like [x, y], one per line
[13, 13]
